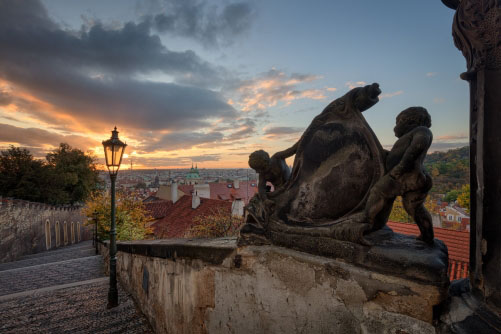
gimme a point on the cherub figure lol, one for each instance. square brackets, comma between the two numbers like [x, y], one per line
[273, 170]
[405, 174]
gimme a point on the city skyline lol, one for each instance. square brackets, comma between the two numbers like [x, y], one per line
[211, 81]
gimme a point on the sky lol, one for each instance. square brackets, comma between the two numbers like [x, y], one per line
[209, 81]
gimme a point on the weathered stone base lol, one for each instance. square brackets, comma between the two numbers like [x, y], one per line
[389, 252]
[268, 289]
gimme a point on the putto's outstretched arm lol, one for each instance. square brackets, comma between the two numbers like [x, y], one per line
[287, 153]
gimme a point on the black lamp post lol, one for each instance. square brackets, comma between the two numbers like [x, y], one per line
[113, 150]
[95, 231]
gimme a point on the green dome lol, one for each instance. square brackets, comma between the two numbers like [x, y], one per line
[193, 173]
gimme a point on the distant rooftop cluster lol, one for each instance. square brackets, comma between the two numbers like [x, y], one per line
[174, 207]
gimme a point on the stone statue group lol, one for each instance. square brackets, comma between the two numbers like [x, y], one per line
[343, 183]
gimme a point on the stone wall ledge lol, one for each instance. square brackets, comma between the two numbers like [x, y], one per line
[391, 254]
[213, 251]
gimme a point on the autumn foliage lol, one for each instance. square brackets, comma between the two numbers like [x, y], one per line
[131, 216]
[219, 223]
[398, 213]
[464, 197]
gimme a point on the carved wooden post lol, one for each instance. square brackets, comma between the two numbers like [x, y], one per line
[477, 33]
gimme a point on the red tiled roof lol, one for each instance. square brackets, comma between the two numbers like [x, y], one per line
[180, 216]
[221, 191]
[458, 244]
[158, 209]
[245, 191]
[185, 188]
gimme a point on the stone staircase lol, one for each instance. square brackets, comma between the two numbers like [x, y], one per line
[63, 291]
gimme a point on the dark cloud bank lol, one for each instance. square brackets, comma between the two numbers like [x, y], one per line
[92, 73]
[199, 20]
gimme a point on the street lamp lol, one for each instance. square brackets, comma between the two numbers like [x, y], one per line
[113, 150]
[94, 216]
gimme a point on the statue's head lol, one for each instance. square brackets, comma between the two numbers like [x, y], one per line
[411, 118]
[259, 161]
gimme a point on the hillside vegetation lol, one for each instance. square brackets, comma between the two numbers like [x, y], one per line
[450, 170]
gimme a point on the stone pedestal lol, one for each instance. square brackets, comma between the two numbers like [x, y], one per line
[214, 286]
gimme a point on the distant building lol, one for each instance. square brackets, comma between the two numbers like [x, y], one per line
[226, 191]
[156, 182]
[455, 218]
[180, 216]
[193, 176]
[170, 192]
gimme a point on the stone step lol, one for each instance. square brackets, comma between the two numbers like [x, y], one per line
[41, 291]
[50, 274]
[81, 309]
[71, 248]
[48, 258]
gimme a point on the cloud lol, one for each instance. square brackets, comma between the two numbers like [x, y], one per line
[444, 146]
[281, 132]
[390, 95]
[331, 89]
[273, 87]
[204, 158]
[205, 22]
[354, 84]
[92, 75]
[452, 137]
[179, 140]
[431, 74]
[449, 141]
[242, 128]
[5, 97]
[32, 137]
[242, 133]
[438, 100]
[175, 161]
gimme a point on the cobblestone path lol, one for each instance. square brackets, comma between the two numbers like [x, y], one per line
[63, 291]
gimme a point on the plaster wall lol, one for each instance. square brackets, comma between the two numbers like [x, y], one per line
[23, 227]
[270, 289]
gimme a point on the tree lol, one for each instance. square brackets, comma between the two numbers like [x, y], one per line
[464, 197]
[131, 216]
[21, 176]
[219, 223]
[75, 173]
[451, 196]
[398, 213]
[450, 170]
[67, 176]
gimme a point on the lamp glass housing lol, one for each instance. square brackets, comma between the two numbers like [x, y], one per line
[114, 149]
